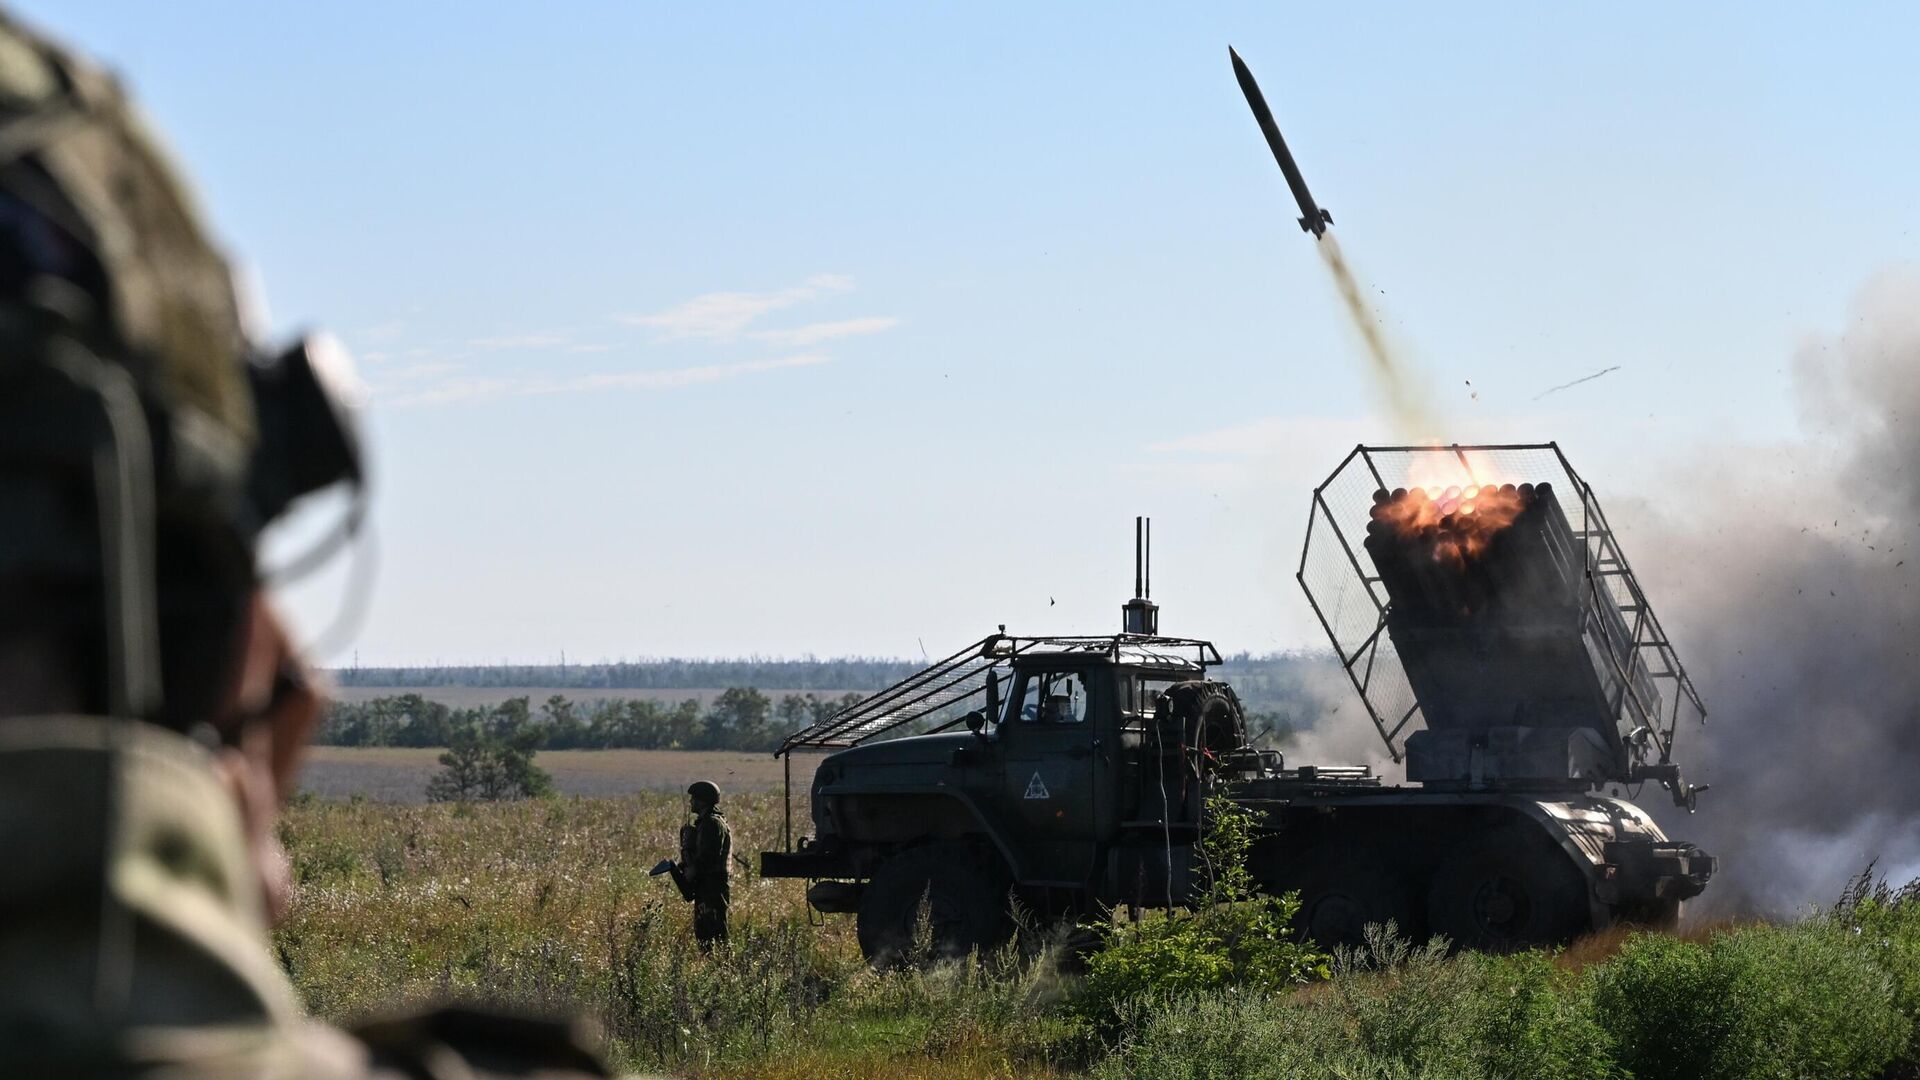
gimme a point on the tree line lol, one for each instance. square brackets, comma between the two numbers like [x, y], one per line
[820, 676]
[740, 718]
[1272, 682]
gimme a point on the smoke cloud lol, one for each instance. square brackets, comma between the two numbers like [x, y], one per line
[1793, 594]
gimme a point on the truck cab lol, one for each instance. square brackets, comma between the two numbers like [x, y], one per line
[1028, 761]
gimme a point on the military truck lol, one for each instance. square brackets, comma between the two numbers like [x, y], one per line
[1500, 643]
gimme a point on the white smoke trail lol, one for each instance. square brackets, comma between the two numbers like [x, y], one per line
[1399, 386]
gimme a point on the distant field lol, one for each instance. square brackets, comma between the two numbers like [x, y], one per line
[399, 774]
[469, 697]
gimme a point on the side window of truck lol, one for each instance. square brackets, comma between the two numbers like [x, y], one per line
[1148, 691]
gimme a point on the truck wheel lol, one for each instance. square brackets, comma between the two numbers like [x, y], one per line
[1340, 895]
[965, 904]
[1507, 891]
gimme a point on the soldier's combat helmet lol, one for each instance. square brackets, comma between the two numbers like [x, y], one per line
[704, 792]
[144, 440]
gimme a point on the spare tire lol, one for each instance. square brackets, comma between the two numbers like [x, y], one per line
[1202, 714]
[963, 893]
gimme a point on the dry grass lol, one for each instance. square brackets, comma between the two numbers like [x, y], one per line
[1601, 946]
[400, 773]
[546, 905]
[1594, 948]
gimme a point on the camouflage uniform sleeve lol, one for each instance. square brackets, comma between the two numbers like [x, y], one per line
[710, 845]
[468, 1044]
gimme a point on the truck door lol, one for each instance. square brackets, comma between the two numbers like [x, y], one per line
[1048, 742]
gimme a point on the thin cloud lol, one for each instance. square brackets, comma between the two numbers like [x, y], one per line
[382, 331]
[522, 341]
[1277, 435]
[725, 316]
[421, 371]
[483, 388]
[815, 333]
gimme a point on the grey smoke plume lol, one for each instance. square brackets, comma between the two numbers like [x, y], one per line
[1340, 732]
[1793, 594]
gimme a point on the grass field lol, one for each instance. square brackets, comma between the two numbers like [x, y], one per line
[546, 905]
[400, 773]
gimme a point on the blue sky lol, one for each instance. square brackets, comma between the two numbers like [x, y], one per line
[831, 329]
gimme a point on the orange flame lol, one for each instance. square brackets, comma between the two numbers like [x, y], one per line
[1460, 521]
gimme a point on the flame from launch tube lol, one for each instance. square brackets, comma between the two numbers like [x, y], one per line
[1461, 522]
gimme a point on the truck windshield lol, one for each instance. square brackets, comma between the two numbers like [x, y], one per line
[1053, 698]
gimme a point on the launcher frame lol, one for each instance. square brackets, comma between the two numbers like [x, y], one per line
[1333, 563]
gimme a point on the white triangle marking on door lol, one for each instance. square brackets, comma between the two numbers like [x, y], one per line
[1037, 788]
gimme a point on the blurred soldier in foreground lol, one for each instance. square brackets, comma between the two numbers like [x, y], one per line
[706, 850]
[152, 712]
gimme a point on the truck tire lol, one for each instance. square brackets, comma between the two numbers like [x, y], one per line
[965, 898]
[1505, 891]
[1340, 893]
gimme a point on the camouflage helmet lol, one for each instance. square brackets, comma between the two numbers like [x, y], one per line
[704, 792]
[143, 441]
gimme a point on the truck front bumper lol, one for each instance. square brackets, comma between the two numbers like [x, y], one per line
[1643, 870]
[812, 860]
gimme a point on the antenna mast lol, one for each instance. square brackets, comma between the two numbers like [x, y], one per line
[1141, 615]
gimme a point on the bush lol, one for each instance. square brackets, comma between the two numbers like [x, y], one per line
[1760, 1002]
[1883, 924]
[1227, 1036]
[1391, 1010]
[492, 761]
[1239, 939]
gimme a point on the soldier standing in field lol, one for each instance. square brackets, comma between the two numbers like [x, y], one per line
[706, 852]
[153, 713]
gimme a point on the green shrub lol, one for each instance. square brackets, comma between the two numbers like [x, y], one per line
[1528, 1018]
[1391, 1011]
[1233, 1035]
[1411, 1011]
[1763, 1002]
[1238, 939]
[1884, 923]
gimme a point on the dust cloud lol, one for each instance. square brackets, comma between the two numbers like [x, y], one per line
[1400, 390]
[1790, 582]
